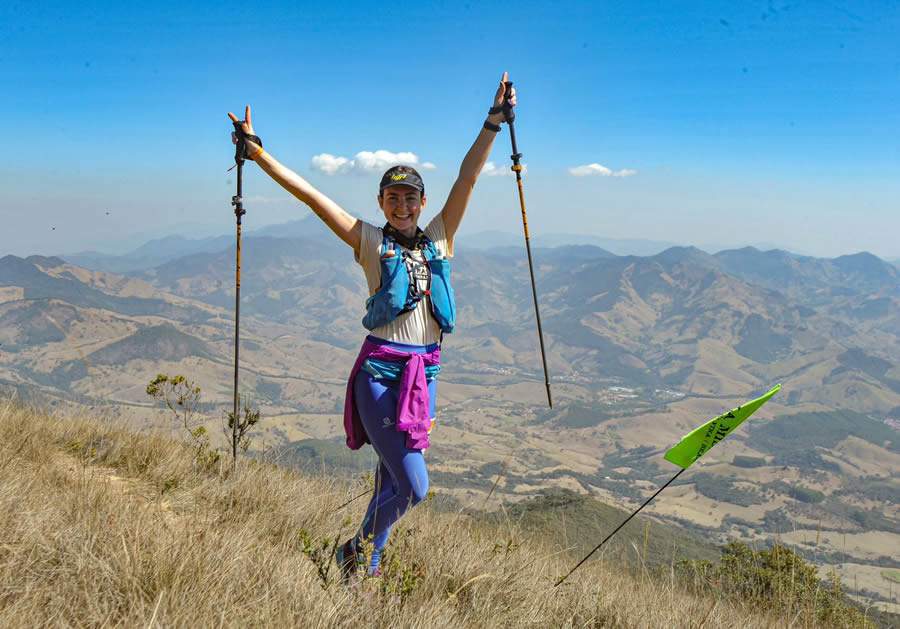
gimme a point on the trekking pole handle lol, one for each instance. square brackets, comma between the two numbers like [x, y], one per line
[508, 114]
[509, 117]
[240, 145]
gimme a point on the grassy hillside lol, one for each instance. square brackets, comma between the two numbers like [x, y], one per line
[578, 522]
[106, 527]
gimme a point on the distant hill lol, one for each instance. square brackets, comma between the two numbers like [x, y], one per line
[162, 250]
[148, 255]
[159, 342]
[159, 251]
[618, 246]
[47, 278]
[813, 278]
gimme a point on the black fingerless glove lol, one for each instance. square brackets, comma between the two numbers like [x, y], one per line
[241, 150]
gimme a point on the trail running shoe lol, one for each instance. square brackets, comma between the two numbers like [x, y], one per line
[349, 561]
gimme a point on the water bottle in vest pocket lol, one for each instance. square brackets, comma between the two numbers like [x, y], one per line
[390, 299]
[443, 304]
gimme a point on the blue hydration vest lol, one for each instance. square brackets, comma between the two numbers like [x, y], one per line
[399, 291]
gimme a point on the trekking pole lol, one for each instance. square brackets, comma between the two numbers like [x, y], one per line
[365, 493]
[628, 519]
[239, 211]
[517, 168]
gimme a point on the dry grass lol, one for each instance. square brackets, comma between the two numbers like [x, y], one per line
[106, 527]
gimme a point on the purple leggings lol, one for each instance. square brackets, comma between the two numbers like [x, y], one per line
[401, 478]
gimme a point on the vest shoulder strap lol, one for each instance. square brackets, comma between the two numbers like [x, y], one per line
[430, 250]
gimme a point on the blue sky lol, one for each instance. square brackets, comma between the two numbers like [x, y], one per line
[745, 122]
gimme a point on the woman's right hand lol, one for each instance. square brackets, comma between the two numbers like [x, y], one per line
[247, 127]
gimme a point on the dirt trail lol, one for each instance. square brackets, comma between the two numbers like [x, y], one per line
[140, 492]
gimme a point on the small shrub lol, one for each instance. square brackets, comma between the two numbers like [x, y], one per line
[179, 394]
[246, 420]
[182, 397]
[402, 569]
[321, 553]
[776, 578]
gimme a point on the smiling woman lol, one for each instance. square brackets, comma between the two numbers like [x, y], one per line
[391, 391]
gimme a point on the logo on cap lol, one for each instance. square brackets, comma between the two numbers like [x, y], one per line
[398, 177]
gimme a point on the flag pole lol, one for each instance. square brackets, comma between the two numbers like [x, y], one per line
[627, 520]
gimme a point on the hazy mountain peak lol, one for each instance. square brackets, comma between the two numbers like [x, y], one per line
[869, 266]
[680, 254]
[13, 267]
[45, 261]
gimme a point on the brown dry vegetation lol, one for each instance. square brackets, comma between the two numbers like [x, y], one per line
[102, 526]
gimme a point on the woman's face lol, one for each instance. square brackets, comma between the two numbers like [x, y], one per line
[401, 206]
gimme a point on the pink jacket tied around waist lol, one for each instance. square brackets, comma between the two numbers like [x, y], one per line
[413, 400]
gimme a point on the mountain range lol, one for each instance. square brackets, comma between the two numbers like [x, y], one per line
[160, 250]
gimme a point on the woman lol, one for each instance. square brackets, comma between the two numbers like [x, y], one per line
[392, 386]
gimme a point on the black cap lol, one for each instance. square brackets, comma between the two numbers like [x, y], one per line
[401, 176]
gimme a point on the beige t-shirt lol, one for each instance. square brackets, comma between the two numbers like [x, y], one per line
[416, 327]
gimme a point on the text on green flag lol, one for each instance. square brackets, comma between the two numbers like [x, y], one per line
[697, 442]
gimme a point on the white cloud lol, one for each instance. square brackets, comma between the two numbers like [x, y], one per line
[366, 162]
[590, 169]
[599, 170]
[331, 165]
[490, 169]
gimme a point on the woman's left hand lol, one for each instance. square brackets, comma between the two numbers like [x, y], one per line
[499, 98]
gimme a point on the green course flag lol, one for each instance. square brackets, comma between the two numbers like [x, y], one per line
[695, 444]
[691, 447]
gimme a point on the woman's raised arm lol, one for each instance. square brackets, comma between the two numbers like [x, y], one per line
[346, 227]
[473, 162]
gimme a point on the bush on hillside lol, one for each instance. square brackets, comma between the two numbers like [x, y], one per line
[777, 521]
[723, 490]
[748, 461]
[805, 494]
[775, 578]
[797, 492]
[877, 488]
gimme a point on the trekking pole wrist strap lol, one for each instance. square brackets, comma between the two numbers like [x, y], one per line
[490, 126]
[505, 109]
[255, 139]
